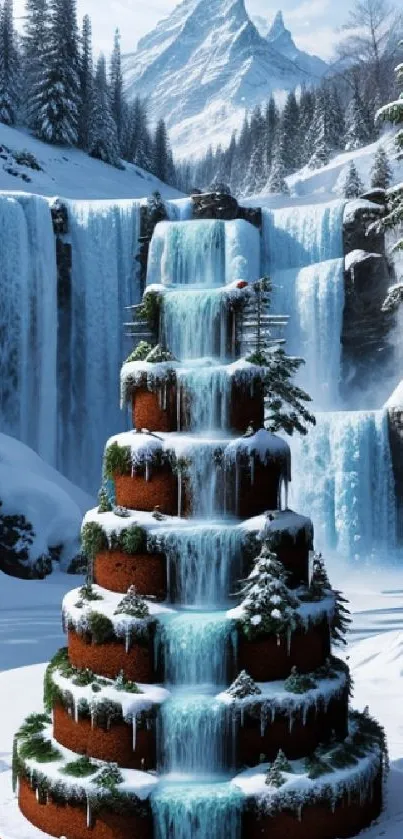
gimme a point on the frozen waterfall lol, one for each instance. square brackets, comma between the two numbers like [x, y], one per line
[343, 479]
[203, 253]
[197, 811]
[303, 255]
[28, 323]
[62, 347]
[104, 238]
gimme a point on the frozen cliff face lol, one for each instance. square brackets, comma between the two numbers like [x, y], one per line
[203, 66]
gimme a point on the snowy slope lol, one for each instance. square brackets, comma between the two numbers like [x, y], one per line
[32, 488]
[203, 66]
[309, 186]
[70, 173]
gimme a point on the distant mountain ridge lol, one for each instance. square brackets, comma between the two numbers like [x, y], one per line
[206, 63]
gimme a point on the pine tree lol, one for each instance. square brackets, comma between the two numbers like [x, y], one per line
[381, 172]
[86, 75]
[256, 173]
[35, 41]
[275, 777]
[289, 134]
[268, 604]
[105, 505]
[9, 62]
[160, 154]
[243, 686]
[133, 604]
[357, 134]
[277, 182]
[102, 140]
[306, 137]
[336, 120]
[319, 584]
[272, 120]
[116, 86]
[322, 137]
[58, 91]
[353, 186]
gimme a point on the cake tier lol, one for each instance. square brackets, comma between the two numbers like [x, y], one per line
[101, 718]
[279, 717]
[203, 560]
[202, 476]
[307, 647]
[117, 571]
[107, 640]
[65, 794]
[116, 742]
[336, 793]
[203, 394]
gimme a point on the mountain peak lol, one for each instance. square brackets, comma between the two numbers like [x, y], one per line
[277, 28]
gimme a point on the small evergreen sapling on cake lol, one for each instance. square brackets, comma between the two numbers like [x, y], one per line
[243, 686]
[275, 777]
[319, 588]
[105, 505]
[268, 604]
[299, 682]
[133, 604]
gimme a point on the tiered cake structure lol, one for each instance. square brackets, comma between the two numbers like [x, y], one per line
[171, 715]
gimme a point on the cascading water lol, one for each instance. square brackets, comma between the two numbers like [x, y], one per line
[62, 345]
[197, 648]
[28, 322]
[303, 255]
[203, 253]
[204, 561]
[185, 722]
[194, 323]
[344, 481]
[197, 811]
[104, 238]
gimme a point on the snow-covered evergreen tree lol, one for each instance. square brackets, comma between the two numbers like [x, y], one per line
[116, 86]
[357, 133]
[268, 604]
[306, 137]
[321, 133]
[288, 137]
[57, 94]
[275, 777]
[34, 57]
[161, 159]
[243, 686]
[353, 186]
[277, 181]
[103, 139]
[381, 172]
[272, 120]
[86, 74]
[133, 604]
[319, 584]
[9, 65]
[256, 173]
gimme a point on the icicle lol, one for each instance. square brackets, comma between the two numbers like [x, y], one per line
[134, 732]
[178, 405]
[242, 714]
[233, 340]
[289, 636]
[37, 794]
[180, 493]
[147, 470]
[252, 469]
[75, 708]
[89, 813]
[127, 637]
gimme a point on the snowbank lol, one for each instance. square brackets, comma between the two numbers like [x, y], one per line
[54, 507]
[71, 173]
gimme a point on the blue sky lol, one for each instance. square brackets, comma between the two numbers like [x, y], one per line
[312, 22]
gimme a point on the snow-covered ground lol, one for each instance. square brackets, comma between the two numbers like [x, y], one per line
[30, 632]
[53, 505]
[70, 173]
[309, 186]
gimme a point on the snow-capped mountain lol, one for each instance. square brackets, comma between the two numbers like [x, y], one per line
[203, 66]
[281, 39]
